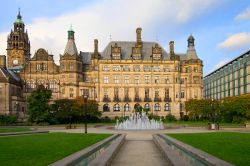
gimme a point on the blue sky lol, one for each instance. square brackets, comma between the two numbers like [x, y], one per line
[221, 28]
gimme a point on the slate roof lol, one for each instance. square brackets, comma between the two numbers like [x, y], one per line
[7, 75]
[71, 48]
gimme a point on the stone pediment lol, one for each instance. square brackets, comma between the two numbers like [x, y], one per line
[42, 55]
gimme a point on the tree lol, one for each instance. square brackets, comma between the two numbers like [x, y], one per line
[63, 112]
[38, 105]
[87, 109]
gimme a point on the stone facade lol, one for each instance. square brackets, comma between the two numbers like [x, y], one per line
[120, 78]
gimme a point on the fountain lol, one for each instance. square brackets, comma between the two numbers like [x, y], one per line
[137, 121]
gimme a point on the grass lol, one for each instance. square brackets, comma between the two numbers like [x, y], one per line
[43, 149]
[14, 129]
[232, 147]
[201, 124]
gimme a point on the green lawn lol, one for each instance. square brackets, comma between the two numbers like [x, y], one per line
[232, 147]
[14, 129]
[43, 149]
[201, 123]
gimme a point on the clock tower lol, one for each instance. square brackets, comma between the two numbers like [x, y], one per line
[18, 44]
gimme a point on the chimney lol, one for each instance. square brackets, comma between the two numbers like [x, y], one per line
[95, 46]
[138, 37]
[171, 47]
[3, 61]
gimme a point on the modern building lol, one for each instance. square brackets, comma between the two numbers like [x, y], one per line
[232, 79]
[125, 75]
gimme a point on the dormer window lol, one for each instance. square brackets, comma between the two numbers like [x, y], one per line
[136, 52]
[156, 52]
[116, 52]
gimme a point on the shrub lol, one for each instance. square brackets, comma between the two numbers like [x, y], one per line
[170, 118]
[8, 119]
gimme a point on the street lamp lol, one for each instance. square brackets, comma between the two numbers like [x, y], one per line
[70, 117]
[85, 99]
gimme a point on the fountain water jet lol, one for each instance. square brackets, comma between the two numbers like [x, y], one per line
[137, 121]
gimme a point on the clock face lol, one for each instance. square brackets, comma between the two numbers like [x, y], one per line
[15, 62]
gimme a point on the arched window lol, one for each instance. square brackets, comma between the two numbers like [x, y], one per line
[106, 107]
[116, 107]
[136, 106]
[147, 106]
[167, 107]
[157, 107]
[126, 107]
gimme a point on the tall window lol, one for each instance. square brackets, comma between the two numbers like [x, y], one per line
[157, 107]
[116, 107]
[157, 95]
[126, 107]
[146, 92]
[167, 107]
[137, 80]
[126, 92]
[196, 79]
[157, 79]
[116, 79]
[196, 69]
[116, 92]
[137, 92]
[147, 80]
[166, 93]
[71, 66]
[106, 79]
[182, 94]
[126, 79]
[105, 90]
[166, 80]
[71, 92]
[195, 93]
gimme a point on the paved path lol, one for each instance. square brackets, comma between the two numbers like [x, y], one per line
[139, 153]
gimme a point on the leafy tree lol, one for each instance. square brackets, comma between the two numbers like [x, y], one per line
[87, 109]
[38, 105]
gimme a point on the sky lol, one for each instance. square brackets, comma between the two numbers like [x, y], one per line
[221, 28]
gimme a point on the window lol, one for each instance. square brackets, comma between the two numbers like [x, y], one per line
[106, 79]
[84, 92]
[116, 92]
[137, 92]
[147, 68]
[157, 93]
[147, 106]
[126, 107]
[166, 80]
[147, 81]
[71, 66]
[137, 80]
[196, 69]
[105, 68]
[182, 80]
[157, 79]
[116, 68]
[157, 107]
[126, 92]
[71, 92]
[166, 93]
[196, 79]
[182, 94]
[196, 93]
[146, 92]
[156, 68]
[116, 107]
[116, 79]
[106, 108]
[166, 69]
[126, 79]
[181, 107]
[136, 68]
[52, 85]
[167, 107]
[126, 68]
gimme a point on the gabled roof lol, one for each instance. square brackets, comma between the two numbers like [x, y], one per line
[126, 50]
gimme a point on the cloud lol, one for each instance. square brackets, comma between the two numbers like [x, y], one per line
[236, 41]
[244, 15]
[102, 18]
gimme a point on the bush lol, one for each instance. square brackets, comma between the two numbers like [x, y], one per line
[185, 118]
[170, 118]
[155, 117]
[8, 119]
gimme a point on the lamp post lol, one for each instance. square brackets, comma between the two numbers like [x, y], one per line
[70, 117]
[85, 98]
